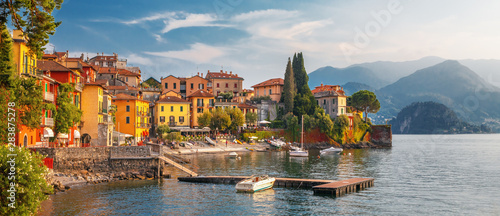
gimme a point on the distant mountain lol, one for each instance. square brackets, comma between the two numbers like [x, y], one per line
[353, 87]
[431, 118]
[336, 76]
[450, 83]
[392, 71]
[488, 69]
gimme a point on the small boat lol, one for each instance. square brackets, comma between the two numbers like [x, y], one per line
[330, 150]
[255, 183]
[300, 152]
[232, 155]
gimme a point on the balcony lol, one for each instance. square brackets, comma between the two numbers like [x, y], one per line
[49, 96]
[201, 104]
[49, 122]
[143, 125]
[104, 111]
[78, 87]
[172, 124]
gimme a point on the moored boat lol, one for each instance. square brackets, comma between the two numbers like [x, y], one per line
[331, 150]
[232, 155]
[255, 183]
[300, 152]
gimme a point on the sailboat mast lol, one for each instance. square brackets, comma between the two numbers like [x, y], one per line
[302, 134]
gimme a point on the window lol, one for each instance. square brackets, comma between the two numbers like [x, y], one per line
[192, 85]
[128, 108]
[270, 91]
[341, 110]
[171, 108]
[211, 101]
[126, 78]
[333, 110]
[236, 85]
[172, 119]
[181, 119]
[162, 118]
[127, 120]
[111, 76]
[201, 86]
[175, 85]
[200, 110]
[218, 85]
[324, 101]
[218, 92]
[227, 85]
[162, 108]
[182, 108]
[166, 85]
[317, 102]
[46, 89]
[333, 101]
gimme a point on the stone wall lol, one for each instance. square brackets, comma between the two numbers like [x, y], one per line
[100, 159]
[381, 135]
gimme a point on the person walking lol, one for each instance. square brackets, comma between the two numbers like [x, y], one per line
[226, 143]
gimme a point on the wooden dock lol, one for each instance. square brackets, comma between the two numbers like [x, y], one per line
[340, 188]
[330, 187]
[175, 164]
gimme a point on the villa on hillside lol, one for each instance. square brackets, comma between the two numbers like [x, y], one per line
[271, 87]
[331, 98]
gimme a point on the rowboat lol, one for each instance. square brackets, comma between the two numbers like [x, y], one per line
[255, 183]
[330, 150]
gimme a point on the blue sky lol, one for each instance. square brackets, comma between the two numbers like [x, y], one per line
[254, 38]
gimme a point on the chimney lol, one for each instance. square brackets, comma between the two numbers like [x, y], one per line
[82, 56]
[102, 53]
[97, 54]
[198, 73]
[67, 54]
[201, 74]
[230, 72]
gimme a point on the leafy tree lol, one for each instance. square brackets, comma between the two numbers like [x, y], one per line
[30, 184]
[304, 101]
[226, 95]
[67, 114]
[339, 127]
[260, 98]
[7, 65]
[310, 122]
[33, 18]
[205, 119]
[162, 129]
[365, 101]
[292, 125]
[325, 123]
[251, 117]
[237, 118]
[289, 88]
[29, 102]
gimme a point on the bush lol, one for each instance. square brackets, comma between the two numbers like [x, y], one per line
[29, 179]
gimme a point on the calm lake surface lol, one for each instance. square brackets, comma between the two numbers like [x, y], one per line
[420, 175]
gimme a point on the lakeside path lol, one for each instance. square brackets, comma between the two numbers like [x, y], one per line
[219, 148]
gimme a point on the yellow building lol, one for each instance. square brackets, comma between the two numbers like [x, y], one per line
[201, 101]
[25, 63]
[132, 116]
[172, 111]
[95, 119]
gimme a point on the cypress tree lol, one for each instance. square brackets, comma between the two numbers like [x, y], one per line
[289, 87]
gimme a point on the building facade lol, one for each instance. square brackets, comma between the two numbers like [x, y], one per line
[201, 101]
[132, 116]
[272, 88]
[172, 111]
[332, 99]
[223, 82]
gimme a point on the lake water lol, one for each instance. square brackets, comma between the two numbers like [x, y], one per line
[420, 175]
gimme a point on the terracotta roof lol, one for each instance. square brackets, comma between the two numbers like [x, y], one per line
[102, 82]
[122, 88]
[126, 72]
[123, 96]
[95, 84]
[60, 54]
[172, 99]
[246, 106]
[106, 58]
[112, 70]
[247, 90]
[323, 88]
[51, 66]
[201, 93]
[73, 59]
[49, 56]
[271, 82]
[107, 70]
[222, 75]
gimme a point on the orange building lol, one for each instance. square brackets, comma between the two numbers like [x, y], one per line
[132, 116]
[272, 88]
[201, 101]
[223, 82]
[184, 86]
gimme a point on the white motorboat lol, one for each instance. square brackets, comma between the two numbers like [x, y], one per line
[232, 155]
[300, 152]
[331, 150]
[255, 183]
[276, 143]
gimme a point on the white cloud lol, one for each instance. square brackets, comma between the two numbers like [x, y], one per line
[153, 17]
[264, 14]
[183, 20]
[158, 38]
[198, 53]
[135, 59]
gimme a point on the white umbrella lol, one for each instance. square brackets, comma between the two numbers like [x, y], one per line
[264, 122]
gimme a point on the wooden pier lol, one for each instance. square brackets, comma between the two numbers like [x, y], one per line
[329, 187]
[340, 188]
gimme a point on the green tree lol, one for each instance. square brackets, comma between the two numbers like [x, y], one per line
[325, 123]
[28, 95]
[365, 101]
[237, 118]
[34, 18]
[204, 119]
[162, 129]
[304, 101]
[339, 127]
[7, 65]
[251, 118]
[310, 122]
[30, 184]
[67, 114]
[288, 88]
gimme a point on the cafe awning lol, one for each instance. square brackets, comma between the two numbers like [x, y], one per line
[47, 132]
[76, 134]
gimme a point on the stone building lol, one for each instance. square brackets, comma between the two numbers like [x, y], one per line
[332, 99]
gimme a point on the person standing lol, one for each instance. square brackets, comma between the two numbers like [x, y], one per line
[226, 143]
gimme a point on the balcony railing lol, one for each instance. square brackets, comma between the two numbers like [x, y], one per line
[49, 96]
[79, 87]
[143, 125]
[172, 124]
[104, 111]
[49, 122]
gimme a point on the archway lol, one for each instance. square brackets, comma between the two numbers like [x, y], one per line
[25, 142]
